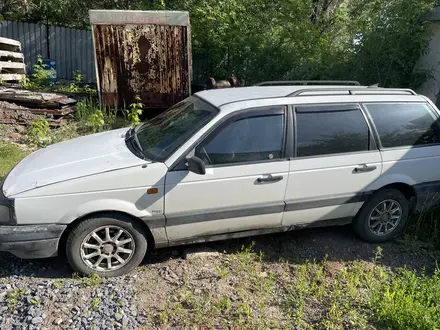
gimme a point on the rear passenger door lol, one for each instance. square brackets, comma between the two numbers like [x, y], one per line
[336, 161]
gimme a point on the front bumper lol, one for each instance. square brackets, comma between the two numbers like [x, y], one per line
[32, 241]
[7, 214]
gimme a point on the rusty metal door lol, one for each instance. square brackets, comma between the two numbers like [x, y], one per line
[151, 61]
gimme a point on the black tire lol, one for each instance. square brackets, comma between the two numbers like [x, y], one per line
[361, 222]
[131, 228]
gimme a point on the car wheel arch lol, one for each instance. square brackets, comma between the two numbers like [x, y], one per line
[63, 238]
[406, 189]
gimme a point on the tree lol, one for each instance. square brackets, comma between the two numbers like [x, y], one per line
[373, 41]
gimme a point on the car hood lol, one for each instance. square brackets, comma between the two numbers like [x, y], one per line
[72, 159]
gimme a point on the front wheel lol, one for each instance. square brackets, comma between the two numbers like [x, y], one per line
[109, 245]
[382, 217]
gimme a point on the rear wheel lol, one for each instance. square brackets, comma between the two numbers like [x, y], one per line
[382, 217]
[108, 245]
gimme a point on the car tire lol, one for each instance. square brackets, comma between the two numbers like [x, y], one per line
[369, 219]
[109, 245]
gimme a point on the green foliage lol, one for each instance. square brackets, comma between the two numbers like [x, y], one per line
[35, 301]
[135, 111]
[360, 295]
[76, 86]
[58, 284]
[370, 41]
[77, 81]
[40, 77]
[14, 297]
[10, 154]
[222, 271]
[224, 303]
[389, 41]
[65, 132]
[373, 41]
[38, 132]
[110, 115]
[3, 129]
[96, 303]
[408, 301]
[95, 117]
[87, 281]
[96, 121]
[85, 108]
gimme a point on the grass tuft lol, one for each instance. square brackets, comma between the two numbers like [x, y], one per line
[10, 155]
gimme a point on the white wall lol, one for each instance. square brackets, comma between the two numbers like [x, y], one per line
[431, 61]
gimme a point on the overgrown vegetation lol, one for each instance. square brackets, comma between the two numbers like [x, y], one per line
[40, 79]
[97, 118]
[373, 41]
[38, 132]
[253, 294]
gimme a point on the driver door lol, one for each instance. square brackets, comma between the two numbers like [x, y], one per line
[245, 180]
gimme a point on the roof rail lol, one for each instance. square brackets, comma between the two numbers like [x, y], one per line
[308, 82]
[352, 91]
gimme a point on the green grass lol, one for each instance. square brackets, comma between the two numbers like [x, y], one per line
[10, 155]
[249, 293]
[407, 301]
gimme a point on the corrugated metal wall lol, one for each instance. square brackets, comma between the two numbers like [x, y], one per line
[72, 49]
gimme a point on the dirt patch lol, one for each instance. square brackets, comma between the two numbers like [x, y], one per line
[310, 279]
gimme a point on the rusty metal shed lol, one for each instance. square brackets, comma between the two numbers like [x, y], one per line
[142, 53]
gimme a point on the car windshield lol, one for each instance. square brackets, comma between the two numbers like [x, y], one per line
[162, 135]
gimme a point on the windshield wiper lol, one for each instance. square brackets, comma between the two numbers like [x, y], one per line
[132, 137]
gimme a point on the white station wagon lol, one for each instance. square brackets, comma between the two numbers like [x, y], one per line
[226, 163]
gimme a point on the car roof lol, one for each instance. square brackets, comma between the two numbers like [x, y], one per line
[220, 97]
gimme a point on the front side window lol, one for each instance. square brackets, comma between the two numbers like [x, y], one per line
[404, 124]
[250, 139]
[325, 130]
[162, 135]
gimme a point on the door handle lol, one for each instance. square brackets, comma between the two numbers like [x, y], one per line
[269, 178]
[364, 168]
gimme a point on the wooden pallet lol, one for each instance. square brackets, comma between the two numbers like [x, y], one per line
[12, 66]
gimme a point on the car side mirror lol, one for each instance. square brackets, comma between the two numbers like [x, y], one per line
[196, 165]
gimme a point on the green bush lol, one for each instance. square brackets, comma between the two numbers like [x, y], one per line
[76, 86]
[85, 108]
[89, 113]
[38, 132]
[135, 111]
[40, 77]
[408, 301]
[96, 121]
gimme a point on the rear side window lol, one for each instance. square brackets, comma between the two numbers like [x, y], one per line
[405, 124]
[330, 130]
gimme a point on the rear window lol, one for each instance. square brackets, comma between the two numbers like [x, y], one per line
[405, 124]
[323, 130]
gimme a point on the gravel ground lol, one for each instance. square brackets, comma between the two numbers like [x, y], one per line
[44, 294]
[81, 303]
